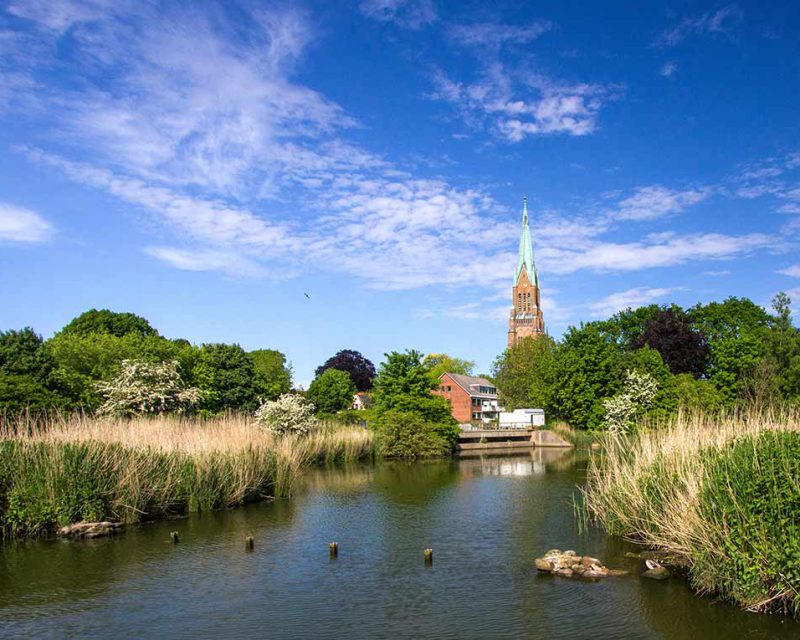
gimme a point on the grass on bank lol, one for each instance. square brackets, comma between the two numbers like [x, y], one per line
[78, 468]
[719, 493]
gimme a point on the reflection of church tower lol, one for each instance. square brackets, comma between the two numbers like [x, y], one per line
[526, 319]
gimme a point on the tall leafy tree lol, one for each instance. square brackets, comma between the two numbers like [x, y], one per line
[404, 385]
[227, 379]
[22, 353]
[439, 363]
[111, 322]
[524, 373]
[331, 391]
[587, 371]
[273, 373]
[361, 370]
[683, 348]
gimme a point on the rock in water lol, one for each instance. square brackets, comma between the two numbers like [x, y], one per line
[90, 529]
[569, 564]
[657, 573]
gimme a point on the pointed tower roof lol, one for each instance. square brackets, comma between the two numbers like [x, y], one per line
[525, 258]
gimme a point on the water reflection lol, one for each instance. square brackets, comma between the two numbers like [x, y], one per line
[485, 516]
[511, 462]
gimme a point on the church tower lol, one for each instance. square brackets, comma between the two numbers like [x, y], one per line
[526, 319]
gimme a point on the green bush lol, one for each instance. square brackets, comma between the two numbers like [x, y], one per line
[750, 503]
[408, 436]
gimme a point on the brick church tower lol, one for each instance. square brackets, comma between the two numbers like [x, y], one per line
[526, 319]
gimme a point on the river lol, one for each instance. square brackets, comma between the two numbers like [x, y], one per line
[485, 518]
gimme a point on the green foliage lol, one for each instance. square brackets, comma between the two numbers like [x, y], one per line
[439, 363]
[331, 391]
[110, 322]
[83, 360]
[587, 371]
[273, 374]
[23, 393]
[525, 374]
[406, 435]
[750, 504]
[226, 377]
[22, 354]
[627, 327]
[694, 395]
[403, 388]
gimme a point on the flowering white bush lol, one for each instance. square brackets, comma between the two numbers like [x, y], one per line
[290, 413]
[147, 387]
[639, 391]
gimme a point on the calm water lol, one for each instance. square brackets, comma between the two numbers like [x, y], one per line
[485, 518]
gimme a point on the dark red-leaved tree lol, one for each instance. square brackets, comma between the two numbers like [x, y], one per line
[683, 348]
[361, 370]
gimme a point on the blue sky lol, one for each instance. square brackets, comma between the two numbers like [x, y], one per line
[206, 164]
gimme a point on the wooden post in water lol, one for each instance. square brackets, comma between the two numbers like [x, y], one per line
[428, 557]
[334, 550]
[174, 536]
[248, 543]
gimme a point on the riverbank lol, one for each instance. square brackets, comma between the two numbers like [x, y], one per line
[718, 494]
[88, 469]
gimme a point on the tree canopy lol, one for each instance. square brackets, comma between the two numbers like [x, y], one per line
[331, 391]
[111, 322]
[361, 370]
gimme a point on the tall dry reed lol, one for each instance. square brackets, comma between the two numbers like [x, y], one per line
[656, 487]
[60, 471]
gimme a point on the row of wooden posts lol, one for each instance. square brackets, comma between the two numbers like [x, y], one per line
[333, 548]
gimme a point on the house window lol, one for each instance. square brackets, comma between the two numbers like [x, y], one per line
[476, 416]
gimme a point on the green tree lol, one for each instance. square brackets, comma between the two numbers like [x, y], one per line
[627, 327]
[697, 395]
[331, 391]
[111, 322]
[273, 373]
[439, 363]
[22, 353]
[24, 393]
[227, 379]
[524, 374]
[404, 385]
[587, 371]
[83, 360]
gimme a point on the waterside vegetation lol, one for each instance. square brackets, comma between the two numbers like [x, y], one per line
[719, 494]
[63, 471]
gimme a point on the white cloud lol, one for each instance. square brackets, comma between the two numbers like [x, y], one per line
[492, 34]
[229, 262]
[636, 256]
[636, 297]
[793, 271]
[517, 105]
[22, 225]
[668, 69]
[411, 14]
[656, 201]
[722, 20]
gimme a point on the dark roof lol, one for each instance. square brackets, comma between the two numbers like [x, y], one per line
[466, 381]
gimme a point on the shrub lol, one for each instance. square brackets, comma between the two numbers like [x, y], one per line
[621, 409]
[750, 503]
[331, 391]
[408, 436]
[146, 388]
[290, 413]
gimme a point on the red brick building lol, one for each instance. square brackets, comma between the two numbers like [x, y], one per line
[526, 319]
[472, 399]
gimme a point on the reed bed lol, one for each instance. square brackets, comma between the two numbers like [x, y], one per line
[65, 470]
[719, 493]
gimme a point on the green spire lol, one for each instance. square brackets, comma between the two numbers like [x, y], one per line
[526, 248]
